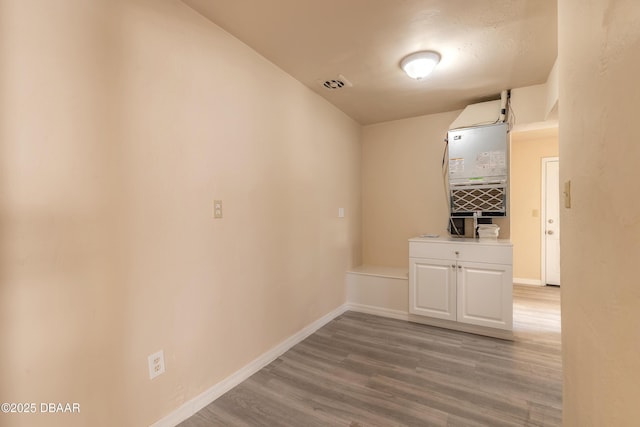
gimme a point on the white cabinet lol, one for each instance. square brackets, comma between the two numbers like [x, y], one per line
[465, 281]
[434, 293]
[485, 294]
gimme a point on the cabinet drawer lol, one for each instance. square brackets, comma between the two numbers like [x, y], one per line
[475, 252]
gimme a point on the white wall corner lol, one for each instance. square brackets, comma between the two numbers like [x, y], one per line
[551, 110]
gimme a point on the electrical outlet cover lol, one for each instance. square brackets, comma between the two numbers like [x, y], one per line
[217, 209]
[156, 364]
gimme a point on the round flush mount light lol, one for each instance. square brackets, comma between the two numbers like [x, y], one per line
[419, 65]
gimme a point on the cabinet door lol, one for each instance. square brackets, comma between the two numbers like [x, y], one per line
[485, 294]
[432, 288]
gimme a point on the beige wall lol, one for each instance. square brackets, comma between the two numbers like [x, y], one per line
[599, 134]
[527, 151]
[121, 122]
[402, 189]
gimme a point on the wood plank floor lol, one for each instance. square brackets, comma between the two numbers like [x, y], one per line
[363, 370]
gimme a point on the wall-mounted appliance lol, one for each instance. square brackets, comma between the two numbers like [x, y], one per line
[478, 170]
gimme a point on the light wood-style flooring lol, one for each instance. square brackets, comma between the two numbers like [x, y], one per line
[362, 370]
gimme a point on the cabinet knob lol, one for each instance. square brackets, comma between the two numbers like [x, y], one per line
[457, 252]
[453, 266]
[459, 267]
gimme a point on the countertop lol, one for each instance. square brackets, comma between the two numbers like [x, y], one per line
[462, 240]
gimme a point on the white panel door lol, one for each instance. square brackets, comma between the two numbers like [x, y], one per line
[551, 226]
[432, 288]
[485, 294]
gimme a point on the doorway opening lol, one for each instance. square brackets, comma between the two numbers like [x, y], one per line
[528, 217]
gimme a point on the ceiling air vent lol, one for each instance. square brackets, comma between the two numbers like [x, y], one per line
[333, 84]
[336, 83]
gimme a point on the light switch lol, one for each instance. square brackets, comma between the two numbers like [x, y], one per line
[340, 212]
[567, 194]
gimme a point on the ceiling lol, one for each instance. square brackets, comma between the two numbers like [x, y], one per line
[486, 46]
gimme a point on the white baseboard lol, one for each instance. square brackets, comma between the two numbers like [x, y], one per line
[378, 311]
[194, 405]
[530, 282]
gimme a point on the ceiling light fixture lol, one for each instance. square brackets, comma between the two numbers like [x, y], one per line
[420, 64]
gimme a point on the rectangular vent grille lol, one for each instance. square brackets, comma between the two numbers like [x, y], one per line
[485, 199]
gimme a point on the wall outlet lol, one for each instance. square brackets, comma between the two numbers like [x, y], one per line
[217, 209]
[156, 364]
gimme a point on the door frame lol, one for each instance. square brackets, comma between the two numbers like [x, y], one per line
[543, 210]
